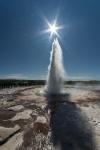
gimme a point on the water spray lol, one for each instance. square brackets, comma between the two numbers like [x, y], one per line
[56, 72]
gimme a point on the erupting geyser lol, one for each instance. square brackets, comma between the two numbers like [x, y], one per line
[56, 73]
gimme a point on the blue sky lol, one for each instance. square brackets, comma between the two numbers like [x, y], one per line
[24, 52]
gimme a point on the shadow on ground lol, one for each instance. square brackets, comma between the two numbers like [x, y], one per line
[69, 125]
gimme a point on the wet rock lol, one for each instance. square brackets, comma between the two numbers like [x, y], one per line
[22, 115]
[35, 134]
[6, 133]
[16, 108]
[6, 114]
[41, 125]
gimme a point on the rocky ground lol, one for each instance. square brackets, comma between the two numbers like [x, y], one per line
[72, 121]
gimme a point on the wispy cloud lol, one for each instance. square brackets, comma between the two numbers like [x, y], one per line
[83, 78]
[21, 76]
[13, 76]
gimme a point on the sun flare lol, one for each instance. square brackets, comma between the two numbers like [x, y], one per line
[53, 28]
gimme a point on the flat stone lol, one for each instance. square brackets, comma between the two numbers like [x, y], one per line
[13, 143]
[5, 133]
[6, 114]
[22, 115]
[16, 108]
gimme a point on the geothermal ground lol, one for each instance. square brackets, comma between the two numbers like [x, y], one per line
[27, 124]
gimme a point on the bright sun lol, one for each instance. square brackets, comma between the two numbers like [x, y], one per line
[52, 28]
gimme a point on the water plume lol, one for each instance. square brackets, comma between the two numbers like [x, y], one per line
[56, 73]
